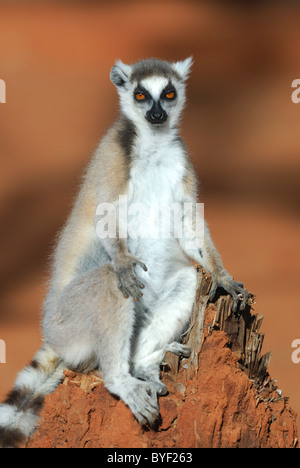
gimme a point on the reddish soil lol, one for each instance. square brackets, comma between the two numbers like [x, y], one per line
[218, 410]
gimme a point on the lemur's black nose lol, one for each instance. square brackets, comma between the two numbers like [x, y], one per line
[157, 115]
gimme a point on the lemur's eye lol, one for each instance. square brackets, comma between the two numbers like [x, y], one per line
[140, 96]
[170, 95]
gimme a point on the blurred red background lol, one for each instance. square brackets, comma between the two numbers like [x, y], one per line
[240, 125]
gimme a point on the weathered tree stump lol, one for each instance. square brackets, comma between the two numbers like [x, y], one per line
[242, 329]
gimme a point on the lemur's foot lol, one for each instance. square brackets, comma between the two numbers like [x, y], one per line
[139, 396]
[179, 349]
[234, 288]
[128, 282]
[152, 377]
[142, 401]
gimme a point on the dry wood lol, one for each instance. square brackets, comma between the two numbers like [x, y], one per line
[242, 328]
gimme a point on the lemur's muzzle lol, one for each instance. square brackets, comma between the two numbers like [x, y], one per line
[156, 115]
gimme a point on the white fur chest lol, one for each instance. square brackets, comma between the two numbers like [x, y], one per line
[157, 171]
[155, 185]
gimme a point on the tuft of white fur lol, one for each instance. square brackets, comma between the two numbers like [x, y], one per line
[155, 85]
[8, 414]
[12, 418]
[30, 378]
[183, 67]
[26, 422]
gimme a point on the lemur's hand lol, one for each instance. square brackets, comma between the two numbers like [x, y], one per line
[128, 282]
[234, 288]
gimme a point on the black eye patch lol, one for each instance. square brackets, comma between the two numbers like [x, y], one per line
[169, 93]
[140, 94]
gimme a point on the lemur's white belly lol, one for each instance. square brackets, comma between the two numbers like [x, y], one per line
[156, 188]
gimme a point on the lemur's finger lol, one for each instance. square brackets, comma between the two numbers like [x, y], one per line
[179, 349]
[125, 292]
[161, 388]
[124, 289]
[245, 295]
[136, 261]
[235, 298]
[142, 265]
[137, 282]
[151, 417]
[135, 292]
[186, 352]
[213, 290]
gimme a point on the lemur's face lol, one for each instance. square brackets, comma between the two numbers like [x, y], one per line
[154, 99]
[152, 92]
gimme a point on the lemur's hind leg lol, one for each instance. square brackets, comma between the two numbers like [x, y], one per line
[168, 318]
[95, 319]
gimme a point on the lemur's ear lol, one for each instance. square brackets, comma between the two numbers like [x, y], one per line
[183, 68]
[120, 74]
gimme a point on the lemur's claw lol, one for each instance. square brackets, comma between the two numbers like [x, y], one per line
[234, 288]
[213, 290]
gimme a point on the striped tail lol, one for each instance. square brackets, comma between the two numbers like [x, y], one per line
[19, 412]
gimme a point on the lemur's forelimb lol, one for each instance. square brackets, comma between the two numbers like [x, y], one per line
[200, 247]
[220, 277]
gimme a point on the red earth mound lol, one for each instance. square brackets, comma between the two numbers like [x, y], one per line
[219, 408]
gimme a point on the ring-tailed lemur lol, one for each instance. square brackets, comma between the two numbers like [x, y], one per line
[91, 316]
